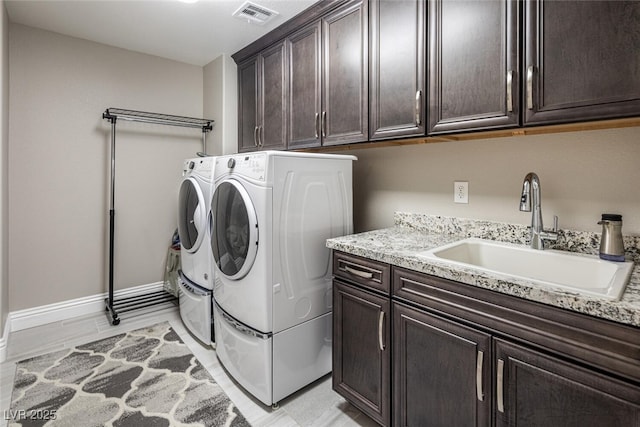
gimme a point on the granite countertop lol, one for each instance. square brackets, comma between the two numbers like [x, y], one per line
[415, 233]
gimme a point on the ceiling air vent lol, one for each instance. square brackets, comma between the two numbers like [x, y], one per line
[254, 13]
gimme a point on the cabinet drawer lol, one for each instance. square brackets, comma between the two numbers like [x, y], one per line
[605, 345]
[371, 274]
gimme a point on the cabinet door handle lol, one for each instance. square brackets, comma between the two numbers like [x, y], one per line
[510, 91]
[418, 108]
[324, 124]
[363, 274]
[479, 365]
[380, 325]
[255, 136]
[500, 385]
[530, 87]
[317, 125]
[260, 136]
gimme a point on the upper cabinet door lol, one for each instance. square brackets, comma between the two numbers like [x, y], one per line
[304, 49]
[473, 65]
[582, 60]
[248, 105]
[397, 68]
[272, 132]
[345, 99]
[262, 101]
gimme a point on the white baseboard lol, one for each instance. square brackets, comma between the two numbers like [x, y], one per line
[4, 340]
[37, 316]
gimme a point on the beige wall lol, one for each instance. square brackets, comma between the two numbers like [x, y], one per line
[59, 164]
[221, 103]
[582, 174]
[4, 174]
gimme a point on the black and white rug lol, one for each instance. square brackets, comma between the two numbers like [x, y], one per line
[146, 377]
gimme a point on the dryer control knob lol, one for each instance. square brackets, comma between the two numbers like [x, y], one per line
[231, 163]
[191, 165]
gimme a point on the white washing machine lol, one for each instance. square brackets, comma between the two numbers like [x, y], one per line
[194, 228]
[272, 214]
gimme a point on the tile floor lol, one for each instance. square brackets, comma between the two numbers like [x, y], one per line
[316, 405]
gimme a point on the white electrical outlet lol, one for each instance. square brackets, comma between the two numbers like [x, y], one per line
[461, 192]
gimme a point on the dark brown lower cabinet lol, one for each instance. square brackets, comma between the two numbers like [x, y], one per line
[456, 355]
[533, 389]
[441, 371]
[361, 349]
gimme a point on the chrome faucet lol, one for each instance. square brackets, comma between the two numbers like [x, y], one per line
[531, 190]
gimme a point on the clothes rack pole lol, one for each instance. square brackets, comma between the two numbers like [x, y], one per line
[112, 313]
[113, 306]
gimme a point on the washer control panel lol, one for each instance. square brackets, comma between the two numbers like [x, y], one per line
[203, 166]
[253, 165]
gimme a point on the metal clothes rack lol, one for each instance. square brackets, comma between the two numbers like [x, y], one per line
[125, 304]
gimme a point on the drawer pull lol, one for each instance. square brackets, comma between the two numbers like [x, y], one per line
[380, 325]
[363, 274]
[500, 386]
[479, 364]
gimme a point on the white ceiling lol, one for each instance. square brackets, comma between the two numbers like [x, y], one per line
[195, 33]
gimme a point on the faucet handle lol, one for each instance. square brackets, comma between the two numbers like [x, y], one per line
[551, 235]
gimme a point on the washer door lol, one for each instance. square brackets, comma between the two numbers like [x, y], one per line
[192, 215]
[234, 237]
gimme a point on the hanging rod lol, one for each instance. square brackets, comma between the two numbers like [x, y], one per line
[113, 114]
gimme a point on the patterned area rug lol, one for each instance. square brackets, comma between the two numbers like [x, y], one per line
[146, 377]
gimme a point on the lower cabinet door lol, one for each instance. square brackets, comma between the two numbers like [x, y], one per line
[441, 370]
[361, 350]
[533, 389]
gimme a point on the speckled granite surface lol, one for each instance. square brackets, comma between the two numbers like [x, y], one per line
[415, 233]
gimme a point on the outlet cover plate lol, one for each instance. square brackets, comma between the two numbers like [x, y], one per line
[461, 192]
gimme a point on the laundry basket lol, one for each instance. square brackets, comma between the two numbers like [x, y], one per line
[172, 265]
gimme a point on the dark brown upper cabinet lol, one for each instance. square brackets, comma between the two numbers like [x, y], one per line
[397, 68]
[305, 93]
[349, 71]
[328, 85]
[262, 101]
[582, 60]
[345, 72]
[473, 65]
[248, 105]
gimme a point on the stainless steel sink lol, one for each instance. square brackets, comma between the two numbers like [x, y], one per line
[583, 274]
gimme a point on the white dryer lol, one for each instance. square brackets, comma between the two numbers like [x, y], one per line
[194, 228]
[272, 214]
